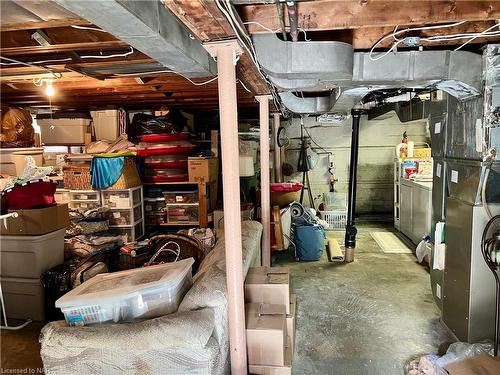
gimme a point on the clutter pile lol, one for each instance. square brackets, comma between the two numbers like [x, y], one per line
[457, 360]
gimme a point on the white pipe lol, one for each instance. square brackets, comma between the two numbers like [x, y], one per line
[265, 198]
[226, 62]
[278, 177]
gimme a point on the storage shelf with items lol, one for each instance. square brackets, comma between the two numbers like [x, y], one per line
[126, 211]
[178, 203]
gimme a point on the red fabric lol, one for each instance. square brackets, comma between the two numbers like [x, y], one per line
[34, 195]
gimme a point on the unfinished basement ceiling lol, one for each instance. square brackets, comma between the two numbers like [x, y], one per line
[91, 81]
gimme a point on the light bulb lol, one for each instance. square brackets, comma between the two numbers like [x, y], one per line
[49, 90]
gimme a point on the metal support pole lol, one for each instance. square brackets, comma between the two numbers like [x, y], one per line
[226, 54]
[350, 230]
[278, 177]
[265, 195]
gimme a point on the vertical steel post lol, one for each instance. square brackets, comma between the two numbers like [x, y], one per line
[278, 177]
[226, 54]
[265, 195]
[350, 230]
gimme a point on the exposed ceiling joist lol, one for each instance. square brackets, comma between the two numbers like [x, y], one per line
[207, 23]
[67, 47]
[44, 24]
[345, 14]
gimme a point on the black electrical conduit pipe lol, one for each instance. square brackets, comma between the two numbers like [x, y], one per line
[350, 229]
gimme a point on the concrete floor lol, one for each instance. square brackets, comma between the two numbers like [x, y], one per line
[367, 317]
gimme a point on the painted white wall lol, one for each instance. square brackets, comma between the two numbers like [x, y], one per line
[378, 139]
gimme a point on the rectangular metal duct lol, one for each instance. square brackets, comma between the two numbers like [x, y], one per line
[149, 27]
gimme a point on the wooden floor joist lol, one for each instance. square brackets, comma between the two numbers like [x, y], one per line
[207, 23]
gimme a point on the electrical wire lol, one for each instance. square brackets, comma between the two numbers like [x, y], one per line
[477, 36]
[88, 28]
[109, 56]
[310, 137]
[430, 39]
[56, 75]
[40, 62]
[165, 71]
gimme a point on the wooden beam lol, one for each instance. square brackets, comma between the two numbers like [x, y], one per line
[366, 37]
[44, 24]
[68, 47]
[207, 23]
[344, 14]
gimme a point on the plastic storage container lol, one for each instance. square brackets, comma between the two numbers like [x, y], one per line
[171, 148]
[84, 206]
[154, 205]
[121, 198]
[63, 131]
[166, 175]
[166, 161]
[177, 213]
[156, 218]
[181, 196]
[132, 233]
[127, 295]
[62, 196]
[106, 124]
[84, 195]
[30, 256]
[336, 220]
[23, 298]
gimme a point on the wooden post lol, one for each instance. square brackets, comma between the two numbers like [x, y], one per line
[265, 198]
[226, 53]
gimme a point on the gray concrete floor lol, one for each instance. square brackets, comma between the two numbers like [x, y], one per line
[366, 317]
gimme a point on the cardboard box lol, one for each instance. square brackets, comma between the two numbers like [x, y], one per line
[203, 169]
[290, 320]
[266, 334]
[37, 221]
[268, 285]
[275, 370]
[482, 364]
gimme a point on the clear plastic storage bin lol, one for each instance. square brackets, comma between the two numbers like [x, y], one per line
[119, 217]
[128, 295]
[132, 232]
[154, 204]
[122, 198]
[179, 213]
[181, 196]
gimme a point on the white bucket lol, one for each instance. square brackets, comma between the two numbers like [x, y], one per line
[19, 159]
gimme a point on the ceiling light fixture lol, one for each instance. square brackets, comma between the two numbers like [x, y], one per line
[49, 89]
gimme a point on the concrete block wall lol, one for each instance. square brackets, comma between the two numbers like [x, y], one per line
[378, 139]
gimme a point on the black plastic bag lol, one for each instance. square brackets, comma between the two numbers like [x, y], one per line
[148, 124]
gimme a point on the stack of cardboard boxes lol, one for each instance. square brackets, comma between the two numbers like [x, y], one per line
[270, 320]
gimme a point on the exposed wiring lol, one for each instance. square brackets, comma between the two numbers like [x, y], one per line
[226, 8]
[261, 25]
[477, 36]
[56, 75]
[40, 62]
[310, 137]
[431, 39]
[88, 28]
[397, 42]
[165, 71]
[242, 84]
[109, 56]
